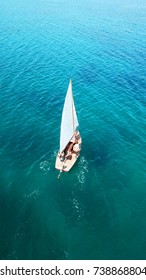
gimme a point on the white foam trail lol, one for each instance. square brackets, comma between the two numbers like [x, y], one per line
[81, 177]
[45, 166]
[76, 204]
[83, 170]
[34, 194]
[78, 210]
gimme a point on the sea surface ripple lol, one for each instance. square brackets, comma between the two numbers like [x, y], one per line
[98, 209]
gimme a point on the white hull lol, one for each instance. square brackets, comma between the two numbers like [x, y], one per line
[67, 165]
[69, 161]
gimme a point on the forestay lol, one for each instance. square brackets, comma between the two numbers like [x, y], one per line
[69, 120]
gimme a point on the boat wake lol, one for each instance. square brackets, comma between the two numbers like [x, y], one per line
[83, 170]
[45, 166]
[33, 195]
[78, 210]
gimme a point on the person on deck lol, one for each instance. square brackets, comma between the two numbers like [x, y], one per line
[62, 156]
[71, 144]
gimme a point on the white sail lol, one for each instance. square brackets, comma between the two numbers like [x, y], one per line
[69, 120]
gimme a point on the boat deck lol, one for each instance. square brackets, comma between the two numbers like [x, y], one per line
[70, 160]
[67, 164]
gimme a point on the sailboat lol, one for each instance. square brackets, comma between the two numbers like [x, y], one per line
[70, 139]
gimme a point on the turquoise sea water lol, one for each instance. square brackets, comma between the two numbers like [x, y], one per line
[98, 209]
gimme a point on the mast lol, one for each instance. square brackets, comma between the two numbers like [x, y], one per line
[69, 120]
[72, 108]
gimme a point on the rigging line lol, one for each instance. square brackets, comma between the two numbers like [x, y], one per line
[72, 108]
